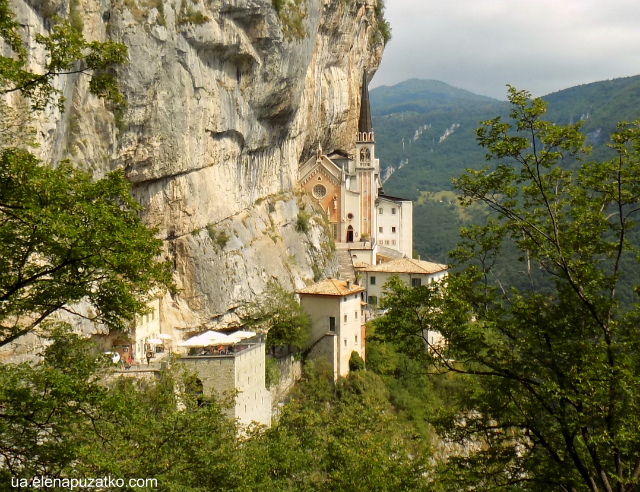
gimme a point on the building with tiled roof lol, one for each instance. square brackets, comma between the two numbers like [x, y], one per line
[404, 265]
[337, 321]
[332, 287]
[412, 272]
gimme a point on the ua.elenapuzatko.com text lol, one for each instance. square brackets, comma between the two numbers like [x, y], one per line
[84, 483]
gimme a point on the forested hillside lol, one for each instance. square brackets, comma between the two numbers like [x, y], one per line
[425, 135]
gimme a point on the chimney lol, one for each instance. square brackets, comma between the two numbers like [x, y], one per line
[348, 284]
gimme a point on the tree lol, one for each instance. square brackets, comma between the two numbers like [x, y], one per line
[336, 437]
[67, 52]
[64, 239]
[64, 417]
[280, 314]
[551, 365]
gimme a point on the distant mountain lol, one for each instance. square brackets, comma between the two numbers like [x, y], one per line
[425, 135]
[420, 96]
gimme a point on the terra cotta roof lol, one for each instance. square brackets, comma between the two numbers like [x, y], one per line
[332, 287]
[404, 265]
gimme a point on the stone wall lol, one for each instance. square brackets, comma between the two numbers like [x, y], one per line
[290, 370]
[242, 375]
[327, 348]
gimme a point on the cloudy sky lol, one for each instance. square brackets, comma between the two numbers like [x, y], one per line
[539, 45]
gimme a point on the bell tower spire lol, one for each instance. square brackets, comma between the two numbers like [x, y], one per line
[365, 127]
[367, 166]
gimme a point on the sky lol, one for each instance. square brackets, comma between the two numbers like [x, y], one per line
[539, 45]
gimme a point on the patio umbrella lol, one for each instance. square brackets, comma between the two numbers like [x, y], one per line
[206, 339]
[155, 341]
[241, 335]
[165, 336]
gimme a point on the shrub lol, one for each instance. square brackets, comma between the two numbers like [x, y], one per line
[272, 373]
[302, 222]
[219, 238]
[356, 363]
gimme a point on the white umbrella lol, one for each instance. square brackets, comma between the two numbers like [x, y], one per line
[215, 337]
[241, 335]
[155, 341]
[165, 336]
[210, 337]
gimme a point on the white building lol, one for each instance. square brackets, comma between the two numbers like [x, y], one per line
[337, 321]
[411, 272]
[147, 328]
[395, 223]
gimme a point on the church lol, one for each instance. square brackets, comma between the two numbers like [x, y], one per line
[349, 190]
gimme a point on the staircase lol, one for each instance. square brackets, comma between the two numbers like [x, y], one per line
[345, 265]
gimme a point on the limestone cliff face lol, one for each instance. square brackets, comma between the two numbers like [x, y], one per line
[222, 107]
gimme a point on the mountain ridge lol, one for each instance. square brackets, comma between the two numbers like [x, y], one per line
[423, 143]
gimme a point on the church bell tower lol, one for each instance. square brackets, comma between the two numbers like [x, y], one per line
[367, 166]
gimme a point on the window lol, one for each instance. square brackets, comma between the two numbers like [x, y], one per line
[393, 229]
[345, 343]
[373, 300]
[393, 241]
[350, 216]
[335, 231]
[393, 210]
[345, 318]
[372, 281]
[319, 191]
[380, 230]
[356, 313]
[356, 338]
[380, 211]
[332, 323]
[416, 282]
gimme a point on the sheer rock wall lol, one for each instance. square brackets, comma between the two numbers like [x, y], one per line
[220, 113]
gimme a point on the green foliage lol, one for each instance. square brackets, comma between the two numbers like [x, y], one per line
[188, 15]
[61, 417]
[426, 165]
[302, 222]
[272, 373]
[356, 363]
[291, 14]
[342, 438]
[418, 395]
[67, 52]
[551, 365]
[384, 28]
[161, 19]
[279, 313]
[65, 238]
[219, 238]
[75, 17]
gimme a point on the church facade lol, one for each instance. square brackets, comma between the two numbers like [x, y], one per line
[348, 188]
